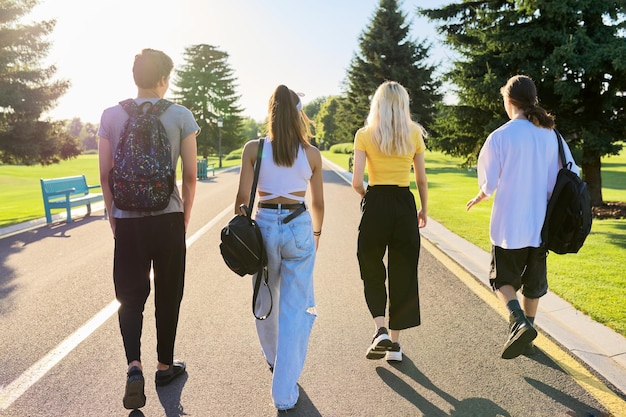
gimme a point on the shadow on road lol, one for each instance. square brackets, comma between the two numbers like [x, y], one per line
[582, 409]
[169, 396]
[304, 408]
[465, 407]
[16, 243]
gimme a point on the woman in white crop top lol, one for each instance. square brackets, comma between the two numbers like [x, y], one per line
[291, 235]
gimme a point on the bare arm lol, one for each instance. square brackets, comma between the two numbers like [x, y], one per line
[105, 160]
[246, 176]
[421, 181]
[189, 154]
[316, 184]
[358, 171]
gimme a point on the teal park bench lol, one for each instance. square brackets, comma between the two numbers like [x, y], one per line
[203, 169]
[67, 192]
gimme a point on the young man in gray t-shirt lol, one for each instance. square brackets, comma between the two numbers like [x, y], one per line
[151, 238]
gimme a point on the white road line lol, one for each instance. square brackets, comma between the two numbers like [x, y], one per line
[11, 392]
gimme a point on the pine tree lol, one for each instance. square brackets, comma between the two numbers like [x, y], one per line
[574, 50]
[206, 85]
[388, 54]
[27, 91]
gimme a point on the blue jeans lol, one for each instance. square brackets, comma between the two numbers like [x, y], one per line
[284, 335]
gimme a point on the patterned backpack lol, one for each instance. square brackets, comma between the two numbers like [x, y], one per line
[142, 177]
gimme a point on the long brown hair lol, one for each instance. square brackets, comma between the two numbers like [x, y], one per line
[287, 126]
[522, 92]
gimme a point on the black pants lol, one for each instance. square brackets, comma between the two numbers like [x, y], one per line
[389, 223]
[142, 243]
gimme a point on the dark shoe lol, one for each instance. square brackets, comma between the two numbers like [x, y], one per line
[380, 345]
[134, 396]
[174, 371]
[521, 334]
[394, 354]
[530, 349]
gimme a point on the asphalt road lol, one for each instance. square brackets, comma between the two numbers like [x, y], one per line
[62, 353]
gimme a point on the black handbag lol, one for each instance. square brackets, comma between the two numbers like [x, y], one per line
[242, 243]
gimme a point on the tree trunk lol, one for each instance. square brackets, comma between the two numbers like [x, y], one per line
[592, 176]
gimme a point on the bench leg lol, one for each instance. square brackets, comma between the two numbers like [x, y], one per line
[48, 216]
[69, 214]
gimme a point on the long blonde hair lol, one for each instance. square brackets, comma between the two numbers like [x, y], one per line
[390, 119]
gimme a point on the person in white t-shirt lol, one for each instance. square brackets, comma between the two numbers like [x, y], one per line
[520, 160]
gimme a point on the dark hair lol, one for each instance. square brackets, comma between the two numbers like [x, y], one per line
[287, 126]
[522, 93]
[150, 67]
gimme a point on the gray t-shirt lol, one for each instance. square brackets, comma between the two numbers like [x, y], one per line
[178, 122]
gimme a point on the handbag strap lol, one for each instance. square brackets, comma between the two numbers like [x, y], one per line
[262, 274]
[257, 169]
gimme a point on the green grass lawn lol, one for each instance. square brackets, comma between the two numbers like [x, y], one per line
[20, 191]
[593, 281]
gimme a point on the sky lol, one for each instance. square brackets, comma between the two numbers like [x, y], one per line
[304, 44]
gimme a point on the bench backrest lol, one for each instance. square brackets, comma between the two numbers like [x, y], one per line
[54, 185]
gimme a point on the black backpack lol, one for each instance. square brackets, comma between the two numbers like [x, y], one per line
[568, 217]
[142, 177]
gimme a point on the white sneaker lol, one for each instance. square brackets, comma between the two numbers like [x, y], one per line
[380, 344]
[394, 354]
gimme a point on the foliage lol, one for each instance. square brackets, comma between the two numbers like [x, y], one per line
[27, 90]
[328, 131]
[574, 50]
[387, 53]
[342, 148]
[205, 84]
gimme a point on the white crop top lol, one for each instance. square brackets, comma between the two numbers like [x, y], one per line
[282, 181]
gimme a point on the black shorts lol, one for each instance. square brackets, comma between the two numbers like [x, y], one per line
[521, 268]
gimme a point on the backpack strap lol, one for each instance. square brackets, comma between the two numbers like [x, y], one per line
[133, 109]
[559, 140]
[130, 107]
[159, 107]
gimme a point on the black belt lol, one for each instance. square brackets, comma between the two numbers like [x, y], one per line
[298, 209]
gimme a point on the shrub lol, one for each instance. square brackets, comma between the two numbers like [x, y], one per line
[342, 148]
[234, 154]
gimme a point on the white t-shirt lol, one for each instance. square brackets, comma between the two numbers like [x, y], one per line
[520, 161]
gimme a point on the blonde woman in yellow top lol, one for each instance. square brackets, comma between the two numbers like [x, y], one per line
[388, 144]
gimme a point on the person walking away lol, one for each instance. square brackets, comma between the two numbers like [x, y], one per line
[291, 236]
[145, 239]
[388, 144]
[519, 160]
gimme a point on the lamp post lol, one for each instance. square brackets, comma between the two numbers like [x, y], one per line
[220, 123]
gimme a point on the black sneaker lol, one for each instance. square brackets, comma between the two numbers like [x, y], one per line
[134, 396]
[394, 354]
[174, 371]
[380, 345]
[521, 334]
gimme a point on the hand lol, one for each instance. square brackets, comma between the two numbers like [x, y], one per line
[112, 221]
[422, 219]
[479, 197]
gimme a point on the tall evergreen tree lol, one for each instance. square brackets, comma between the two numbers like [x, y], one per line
[574, 50]
[387, 53]
[205, 84]
[27, 90]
